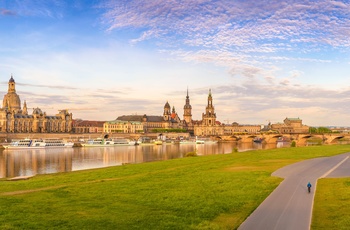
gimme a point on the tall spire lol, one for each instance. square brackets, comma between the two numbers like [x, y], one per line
[25, 110]
[187, 110]
[210, 99]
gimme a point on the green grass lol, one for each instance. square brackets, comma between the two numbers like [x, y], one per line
[207, 192]
[332, 204]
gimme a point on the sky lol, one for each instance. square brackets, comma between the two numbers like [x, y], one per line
[262, 60]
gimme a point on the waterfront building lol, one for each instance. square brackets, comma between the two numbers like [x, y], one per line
[187, 117]
[236, 128]
[86, 126]
[208, 126]
[118, 126]
[169, 120]
[14, 119]
[290, 125]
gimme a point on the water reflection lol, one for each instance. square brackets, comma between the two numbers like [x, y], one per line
[30, 162]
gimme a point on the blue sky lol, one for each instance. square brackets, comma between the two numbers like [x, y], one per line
[263, 60]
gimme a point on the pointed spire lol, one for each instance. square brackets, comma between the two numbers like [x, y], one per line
[11, 79]
[25, 110]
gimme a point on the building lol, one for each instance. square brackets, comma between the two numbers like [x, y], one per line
[86, 126]
[14, 119]
[289, 126]
[208, 126]
[169, 120]
[236, 128]
[118, 126]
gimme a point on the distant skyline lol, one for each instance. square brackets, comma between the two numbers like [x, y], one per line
[263, 60]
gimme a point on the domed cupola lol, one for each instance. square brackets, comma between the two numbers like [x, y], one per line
[37, 111]
[11, 79]
[11, 99]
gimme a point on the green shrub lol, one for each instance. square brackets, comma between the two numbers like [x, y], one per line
[293, 144]
[191, 154]
[234, 150]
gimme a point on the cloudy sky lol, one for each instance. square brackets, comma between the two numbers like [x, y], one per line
[263, 60]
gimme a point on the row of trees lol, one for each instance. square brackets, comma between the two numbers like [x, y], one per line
[319, 130]
[169, 131]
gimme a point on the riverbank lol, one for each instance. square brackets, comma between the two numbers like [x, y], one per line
[207, 192]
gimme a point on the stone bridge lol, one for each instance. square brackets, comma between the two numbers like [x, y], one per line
[300, 139]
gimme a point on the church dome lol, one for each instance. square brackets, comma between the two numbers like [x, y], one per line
[12, 100]
[37, 111]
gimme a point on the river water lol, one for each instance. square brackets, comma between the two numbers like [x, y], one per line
[29, 162]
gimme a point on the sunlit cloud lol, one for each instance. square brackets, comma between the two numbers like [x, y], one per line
[263, 60]
[6, 12]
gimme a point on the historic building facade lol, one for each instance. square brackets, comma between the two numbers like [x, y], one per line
[208, 126]
[236, 128]
[14, 119]
[187, 121]
[86, 126]
[169, 120]
[290, 125]
[119, 126]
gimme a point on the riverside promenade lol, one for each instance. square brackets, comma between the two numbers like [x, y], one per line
[289, 206]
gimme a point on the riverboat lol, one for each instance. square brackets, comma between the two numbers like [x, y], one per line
[145, 141]
[205, 141]
[123, 141]
[258, 140]
[157, 142]
[184, 141]
[198, 141]
[38, 143]
[283, 139]
[99, 142]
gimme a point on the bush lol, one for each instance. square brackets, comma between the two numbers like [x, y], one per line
[293, 144]
[191, 154]
[234, 150]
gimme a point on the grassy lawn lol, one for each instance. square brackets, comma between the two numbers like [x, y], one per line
[207, 192]
[332, 204]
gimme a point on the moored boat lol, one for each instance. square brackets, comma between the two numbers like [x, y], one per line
[38, 143]
[198, 141]
[157, 142]
[123, 141]
[99, 142]
[258, 140]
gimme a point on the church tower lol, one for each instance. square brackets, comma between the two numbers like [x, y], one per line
[11, 99]
[187, 110]
[167, 113]
[209, 117]
[25, 109]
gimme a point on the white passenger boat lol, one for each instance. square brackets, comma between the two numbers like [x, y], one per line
[187, 142]
[200, 141]
[99, 142]
[123, 141]
[38, 143]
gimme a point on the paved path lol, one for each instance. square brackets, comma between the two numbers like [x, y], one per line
[289, 206]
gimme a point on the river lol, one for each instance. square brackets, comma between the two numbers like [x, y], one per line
[29, 162]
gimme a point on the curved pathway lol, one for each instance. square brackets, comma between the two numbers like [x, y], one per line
[289, 206]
